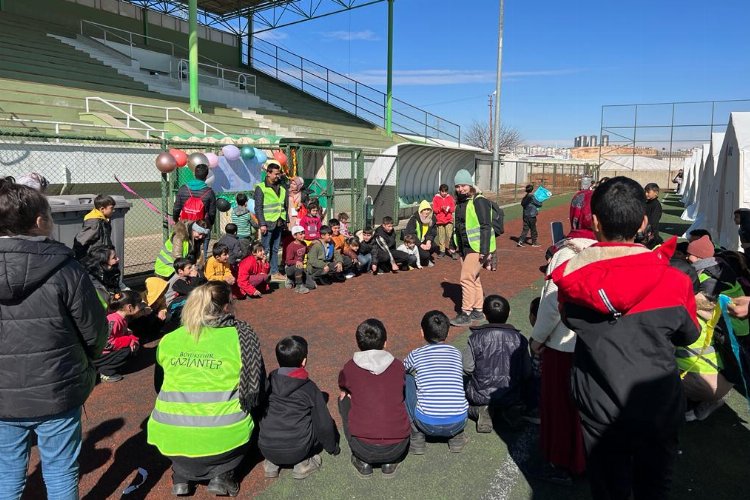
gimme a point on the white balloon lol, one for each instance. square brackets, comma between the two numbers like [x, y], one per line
[211, 178]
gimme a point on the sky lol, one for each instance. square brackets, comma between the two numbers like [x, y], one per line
[562, 60]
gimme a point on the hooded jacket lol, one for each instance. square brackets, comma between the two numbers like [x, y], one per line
[530, 205]
[96, 231]
[201, 190]
[628, 308]
[428, 233]
[296, 418]
[51, 326]
[375, 381]
[443, 207]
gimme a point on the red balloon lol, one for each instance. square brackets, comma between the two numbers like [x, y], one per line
[179, 156]
[280, 157]
[166, 163]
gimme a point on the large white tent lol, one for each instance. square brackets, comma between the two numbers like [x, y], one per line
[733, 180]
[693, 201]
[686, 176]
[704, 210]
[692, 171]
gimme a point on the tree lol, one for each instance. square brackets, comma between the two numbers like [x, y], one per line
[478, 135]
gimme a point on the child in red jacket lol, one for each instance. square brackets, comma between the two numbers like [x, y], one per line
[444, 206]
[121, 344]
[253, 275]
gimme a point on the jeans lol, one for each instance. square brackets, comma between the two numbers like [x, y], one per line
[271, 241]
[529, 224]
[443, 430]
[365, 262]
[59, 443]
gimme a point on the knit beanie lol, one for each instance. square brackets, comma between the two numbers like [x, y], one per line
[701, 248]
[463, 177]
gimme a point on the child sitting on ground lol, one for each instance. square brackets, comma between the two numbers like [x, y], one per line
[409, 247]
[217, 267]
[497, 362]
[311, 222]
[297, 425]
[351, 257]
[344, 223]
[294, 262]
[96, 230]
[324, 263]
[232, 242]
[364, 255]
[435, 397]
[183, 281]
[254, 273]
[371, 403]
[121, 343]
[339, 240]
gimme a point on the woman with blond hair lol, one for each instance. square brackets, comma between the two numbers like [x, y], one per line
[209, 375]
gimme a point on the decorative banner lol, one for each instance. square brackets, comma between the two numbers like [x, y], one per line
[148, 204]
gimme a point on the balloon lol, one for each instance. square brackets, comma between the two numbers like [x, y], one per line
[280, 157]
[231, 152]
[222, 205]
[179, 156]
[260, 156]
[210, 179]
[196, 159]
[248, 152]
[213, 160]
[166, 163]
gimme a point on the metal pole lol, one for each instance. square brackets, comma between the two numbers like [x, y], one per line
[144, 16]
[497, 124]
[389, 84]
[195, 106]
[671, 137]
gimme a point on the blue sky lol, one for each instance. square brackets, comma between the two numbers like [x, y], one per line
[562, 60]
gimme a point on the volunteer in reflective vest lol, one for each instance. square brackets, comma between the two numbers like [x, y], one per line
[209, 374]
[423, 225]
[475, 242]
[271, 210]
[183, 242]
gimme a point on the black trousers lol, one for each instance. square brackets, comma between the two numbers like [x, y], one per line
[426, 255]
[629, 458]
[384, 262]
[108, 364]
[367, 452]
[298, 276]
[529, 224]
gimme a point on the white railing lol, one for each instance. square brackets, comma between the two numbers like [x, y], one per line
[125, 36]
[130, 116]
[146, 131]
[224, 77]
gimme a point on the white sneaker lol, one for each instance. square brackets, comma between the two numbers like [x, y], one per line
[349, 276]
[705, 409]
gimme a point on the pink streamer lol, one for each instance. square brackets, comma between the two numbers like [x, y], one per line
[148, 204]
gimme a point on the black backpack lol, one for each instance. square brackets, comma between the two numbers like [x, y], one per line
[497, 217]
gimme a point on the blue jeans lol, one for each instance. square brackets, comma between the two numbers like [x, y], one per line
[365, 262]
[447, 430]
[59, 443]
[271, 241]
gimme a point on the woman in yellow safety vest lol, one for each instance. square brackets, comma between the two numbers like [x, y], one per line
[209, 375]
[475, 240]
[183, 242]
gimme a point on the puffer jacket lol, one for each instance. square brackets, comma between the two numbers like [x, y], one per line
[51, 326]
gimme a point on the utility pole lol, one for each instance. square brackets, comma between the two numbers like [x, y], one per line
[496, 130]
[489, 103]
[389, 76]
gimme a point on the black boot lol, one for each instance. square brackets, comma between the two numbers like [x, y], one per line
[364, 469]
[224, 485]
[417, 442]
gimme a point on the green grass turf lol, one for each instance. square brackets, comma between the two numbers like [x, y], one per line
[711, 464]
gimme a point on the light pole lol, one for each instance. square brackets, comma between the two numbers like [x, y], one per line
[489, 103]
[496, 129]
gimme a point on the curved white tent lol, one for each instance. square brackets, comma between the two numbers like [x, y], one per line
[734, 180]
[692, 171]
[704, 209]
[693, 201]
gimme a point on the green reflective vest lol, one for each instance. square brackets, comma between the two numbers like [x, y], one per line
[273, 205]
[473, 230]
[701, 356]
[164, 265]
[197, 411]
[740, 326]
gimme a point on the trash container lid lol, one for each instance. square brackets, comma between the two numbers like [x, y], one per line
[76, 202]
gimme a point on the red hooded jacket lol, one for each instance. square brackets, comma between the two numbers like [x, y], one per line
[443, 208]
[249, 267]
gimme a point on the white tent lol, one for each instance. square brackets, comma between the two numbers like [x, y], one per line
[692, 171]
[734, 185]
[686, 176]
[693, 202]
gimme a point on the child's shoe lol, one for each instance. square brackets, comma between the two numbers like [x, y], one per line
[457, 443]
[307, 467]
[270, 469]
[477, 315]
[389, 470]
[484, 420]
[302, 289]
[288, 284]
[462, 319]
[417, 442]
[111, 378]
[364, 469]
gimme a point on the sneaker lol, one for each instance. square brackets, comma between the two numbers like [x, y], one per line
[520, 244]
[484, 420]
[270, 469]
[532, 416]
[180, 489]
[430, 264]
[552, 474]
[690, 416]
[704, 410]
[457, 443]
[278, 277]
[454, 255]
[288, 284]
[364, 469]
[462, 319]
[477, 315]
[224, 485]
[417, 442]
[307, 467]
[349, 276]
[535, 245]
[388, 470]
[111, 378]
[302, 289]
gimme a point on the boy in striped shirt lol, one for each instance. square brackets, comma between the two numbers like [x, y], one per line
[435, 397]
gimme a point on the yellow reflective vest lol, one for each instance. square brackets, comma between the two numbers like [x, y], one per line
[164, 265]
[701, 356]
[197, 411]
[473, 229]
[273, 204]
[740, 326]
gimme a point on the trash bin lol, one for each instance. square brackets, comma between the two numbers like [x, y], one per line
[68, 212]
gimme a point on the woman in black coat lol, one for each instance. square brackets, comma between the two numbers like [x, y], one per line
[51, 328]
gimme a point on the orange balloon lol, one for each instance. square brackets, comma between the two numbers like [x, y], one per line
[179, 156]
[280, 157]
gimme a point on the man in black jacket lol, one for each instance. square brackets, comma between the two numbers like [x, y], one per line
[653, 213]
[385, 257]
[629, 309]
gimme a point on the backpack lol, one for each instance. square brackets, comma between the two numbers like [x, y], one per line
[194, 209]
[498, 218]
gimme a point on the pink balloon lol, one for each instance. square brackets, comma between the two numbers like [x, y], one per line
[280, 157]
[213, 160]
[179, 156]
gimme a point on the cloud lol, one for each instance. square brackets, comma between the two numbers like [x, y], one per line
[272, 36]
[366, 35]
[450, 76]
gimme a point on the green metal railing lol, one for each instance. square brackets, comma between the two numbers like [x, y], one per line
[347, 94]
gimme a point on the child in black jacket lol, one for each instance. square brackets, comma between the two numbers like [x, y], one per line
[297, 423]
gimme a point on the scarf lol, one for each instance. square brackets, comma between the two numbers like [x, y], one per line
[295, 192]
[253, 372]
